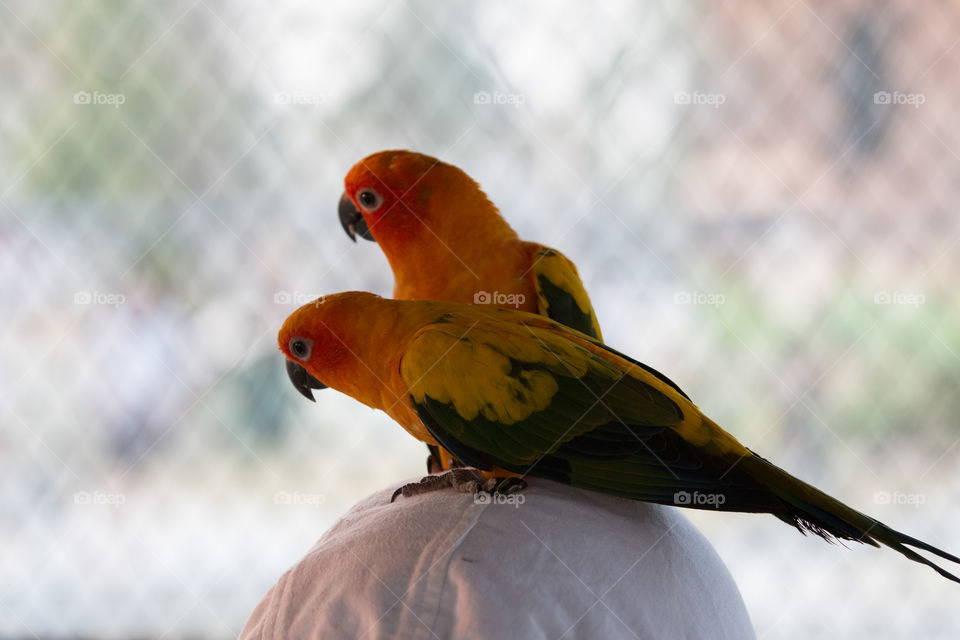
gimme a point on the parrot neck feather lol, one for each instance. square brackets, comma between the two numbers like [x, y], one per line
[442, 256]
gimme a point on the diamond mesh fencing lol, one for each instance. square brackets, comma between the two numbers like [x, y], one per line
[760, 197]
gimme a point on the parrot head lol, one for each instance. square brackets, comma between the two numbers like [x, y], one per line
[341, 341]
[309, 340]
[389, 190]
[375, 189]
[396, 198]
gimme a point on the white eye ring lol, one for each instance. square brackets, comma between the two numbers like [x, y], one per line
[301, 348]
[369, 200]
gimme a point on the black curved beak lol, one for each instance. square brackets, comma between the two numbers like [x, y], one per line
[303, 381]
[352, 220]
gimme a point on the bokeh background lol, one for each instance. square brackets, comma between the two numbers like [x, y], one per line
[761, 198]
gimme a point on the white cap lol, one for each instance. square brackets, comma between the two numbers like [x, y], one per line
[549, 562]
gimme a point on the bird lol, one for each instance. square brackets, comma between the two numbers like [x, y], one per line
[445, 240]
[514, 394]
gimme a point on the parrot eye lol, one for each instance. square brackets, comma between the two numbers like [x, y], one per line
[300, 348]
[369, 199]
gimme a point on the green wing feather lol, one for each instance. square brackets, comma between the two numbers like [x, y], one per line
[561, 295]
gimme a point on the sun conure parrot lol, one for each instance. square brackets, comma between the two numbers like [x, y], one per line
[516, 394]
[445, 240]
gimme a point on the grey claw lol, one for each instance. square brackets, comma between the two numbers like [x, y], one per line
[461, 480]
[509, 486]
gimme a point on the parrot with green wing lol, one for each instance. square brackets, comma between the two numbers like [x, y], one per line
[445, 240]
[514, 394]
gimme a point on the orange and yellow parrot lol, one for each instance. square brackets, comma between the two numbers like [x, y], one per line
[516, 394]
[445, 240]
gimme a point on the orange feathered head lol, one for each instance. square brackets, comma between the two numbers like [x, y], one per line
[353, 342]
[399, 197]
[324, 341]
[308, 341]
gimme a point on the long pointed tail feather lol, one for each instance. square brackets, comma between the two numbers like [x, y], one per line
[811, 510]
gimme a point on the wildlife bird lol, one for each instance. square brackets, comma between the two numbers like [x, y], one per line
[445, 240]
[515, 394]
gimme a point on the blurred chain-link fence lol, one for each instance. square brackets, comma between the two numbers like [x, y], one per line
[760, 197]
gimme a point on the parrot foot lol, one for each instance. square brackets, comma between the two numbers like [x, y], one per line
[461, 480]
[508, 486]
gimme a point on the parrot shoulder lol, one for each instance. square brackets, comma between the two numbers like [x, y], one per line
[560, 292]
[478, 365]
